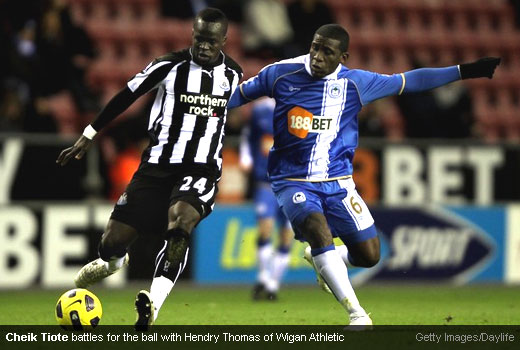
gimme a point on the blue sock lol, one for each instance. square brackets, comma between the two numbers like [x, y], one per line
[318, 251]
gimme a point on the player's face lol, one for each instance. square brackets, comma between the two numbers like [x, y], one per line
[208, 39]
[325, 54]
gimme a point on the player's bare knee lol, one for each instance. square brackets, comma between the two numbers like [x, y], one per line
[364, 258]
[371, 259]
[183, 222]
[374, 254]
[183, 216]
[316, 231]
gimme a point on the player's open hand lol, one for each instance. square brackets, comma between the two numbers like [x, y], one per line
[77, 151]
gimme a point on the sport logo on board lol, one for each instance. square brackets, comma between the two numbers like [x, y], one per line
[431, 245]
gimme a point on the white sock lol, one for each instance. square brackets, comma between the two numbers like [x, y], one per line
[115, 263]
[264, 254]
[278, 268]
[159, 291]
[343, 252]
[335, 273]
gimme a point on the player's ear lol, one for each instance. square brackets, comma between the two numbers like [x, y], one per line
[344, 58]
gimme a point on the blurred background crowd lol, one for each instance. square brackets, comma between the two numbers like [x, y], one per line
[62, 60]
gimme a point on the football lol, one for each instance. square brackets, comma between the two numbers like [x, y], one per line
[78, 309]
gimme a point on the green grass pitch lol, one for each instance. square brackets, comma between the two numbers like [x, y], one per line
[304, 305]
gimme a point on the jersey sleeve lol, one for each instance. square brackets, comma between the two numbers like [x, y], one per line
[117, 105]
[255, 87]
[428, 78]
[150, 77]
[373, 86]
[140, 84]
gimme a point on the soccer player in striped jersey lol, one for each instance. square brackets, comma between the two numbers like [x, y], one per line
[176, 183]
[256, 141]
[315, 137]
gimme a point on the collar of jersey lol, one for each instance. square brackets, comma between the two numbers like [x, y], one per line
[333, 75]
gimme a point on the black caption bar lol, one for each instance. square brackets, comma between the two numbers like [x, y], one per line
[262, 337]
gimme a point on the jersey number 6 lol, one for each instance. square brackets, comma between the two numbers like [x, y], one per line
[356, 206]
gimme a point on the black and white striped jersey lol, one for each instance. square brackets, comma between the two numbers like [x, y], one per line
[186, 122]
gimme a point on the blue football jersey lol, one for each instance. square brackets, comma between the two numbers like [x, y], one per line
[257, 138]
[315, 120]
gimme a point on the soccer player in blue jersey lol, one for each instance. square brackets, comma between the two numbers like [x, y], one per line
[315, 137]
[257, 140]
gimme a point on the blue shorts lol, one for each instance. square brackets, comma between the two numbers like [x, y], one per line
[266, 205]
[346, 213]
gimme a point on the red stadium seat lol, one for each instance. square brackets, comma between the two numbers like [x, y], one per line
[393, 121]
[64, 110]
[251, 67]
[385, 35]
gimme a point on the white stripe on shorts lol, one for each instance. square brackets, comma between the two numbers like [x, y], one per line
[363, 220]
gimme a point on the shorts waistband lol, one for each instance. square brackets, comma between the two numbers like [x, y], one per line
[321, 180]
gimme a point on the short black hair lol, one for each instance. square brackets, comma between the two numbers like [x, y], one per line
[213, 15]
[337, 32]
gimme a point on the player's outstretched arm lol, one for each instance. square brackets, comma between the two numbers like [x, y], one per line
[482, 68]
[430, 78]
[140, 84]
